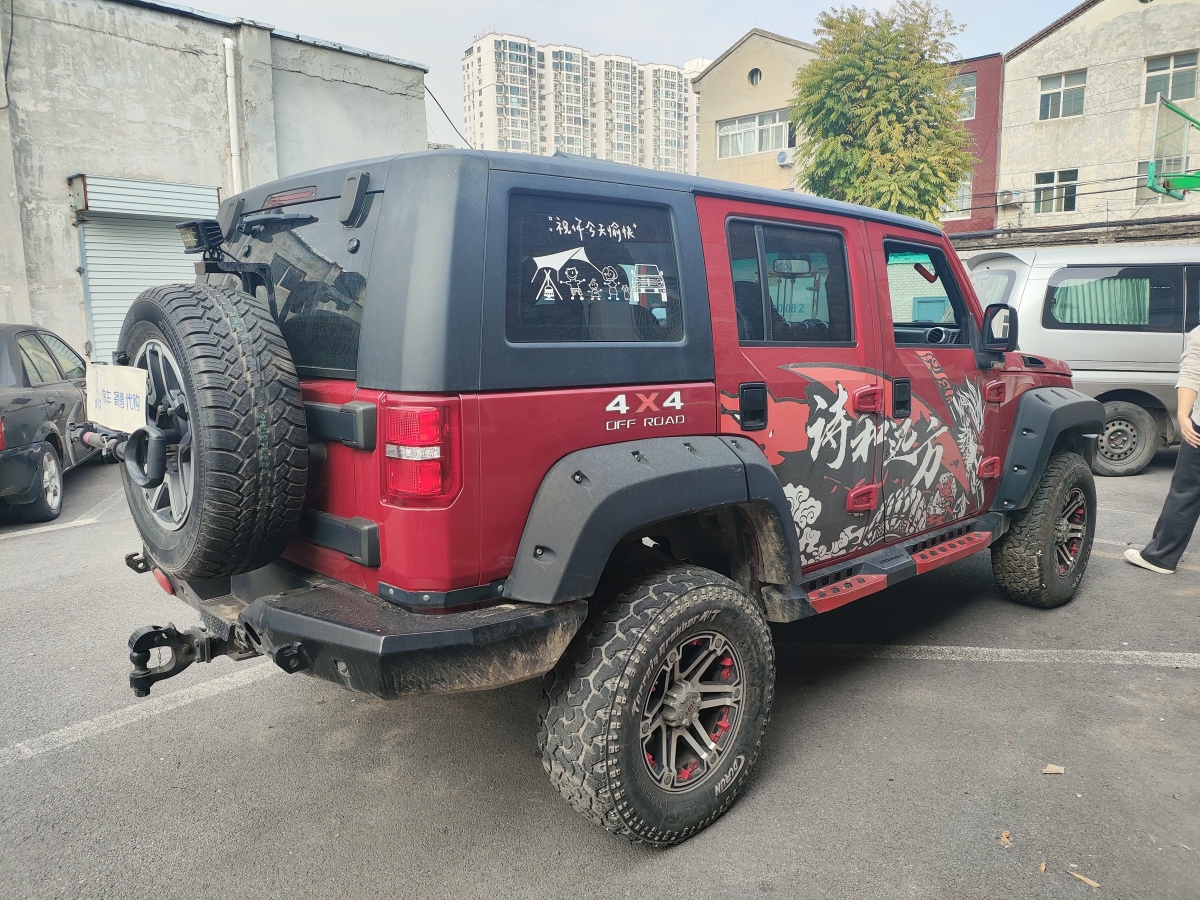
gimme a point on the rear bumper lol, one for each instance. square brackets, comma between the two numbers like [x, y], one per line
[18, 473]
[351, 637]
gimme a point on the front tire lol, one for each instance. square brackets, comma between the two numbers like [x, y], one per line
[48, 504]
[1041, 559]
[654, 717]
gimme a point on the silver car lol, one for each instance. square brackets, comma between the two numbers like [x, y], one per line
[1117, 314]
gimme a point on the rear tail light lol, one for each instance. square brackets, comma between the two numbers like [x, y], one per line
[1, 432]
[422, 460]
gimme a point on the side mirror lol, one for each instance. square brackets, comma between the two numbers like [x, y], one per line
[1000, 329]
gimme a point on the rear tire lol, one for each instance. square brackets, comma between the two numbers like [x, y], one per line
[235, 486]
[1129, 440]
[48, 504]
[1041, 559]
[618, 704]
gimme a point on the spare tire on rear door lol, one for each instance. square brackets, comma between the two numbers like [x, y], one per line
[223, 398]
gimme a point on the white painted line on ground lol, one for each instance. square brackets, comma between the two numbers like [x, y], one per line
[32, 532]
[104, 504]
[143, 709]
[998, 654]
[1112, 543]
[1127, 512]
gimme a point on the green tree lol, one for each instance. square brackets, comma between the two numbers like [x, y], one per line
[875, 111]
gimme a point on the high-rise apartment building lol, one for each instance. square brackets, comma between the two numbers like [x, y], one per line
[539, 98]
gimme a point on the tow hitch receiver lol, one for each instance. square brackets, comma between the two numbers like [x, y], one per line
[187, 647]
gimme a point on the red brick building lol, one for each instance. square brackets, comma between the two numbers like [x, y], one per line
[981, 80]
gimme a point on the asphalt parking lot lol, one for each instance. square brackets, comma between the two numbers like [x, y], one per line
[904, 758]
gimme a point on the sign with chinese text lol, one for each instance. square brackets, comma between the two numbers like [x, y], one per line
[116, 397]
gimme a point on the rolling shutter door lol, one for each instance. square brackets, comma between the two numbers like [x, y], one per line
[130, 243]
[122, 257]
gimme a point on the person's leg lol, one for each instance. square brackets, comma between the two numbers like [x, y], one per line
[1180, 512]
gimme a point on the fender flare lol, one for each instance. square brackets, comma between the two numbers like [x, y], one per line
[1044, 415]
[591, 499]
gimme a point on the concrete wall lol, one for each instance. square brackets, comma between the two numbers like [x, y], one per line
[1116, 130]
[330, 107]
[108, 88]
[725, 93]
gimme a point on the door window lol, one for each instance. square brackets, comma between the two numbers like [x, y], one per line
[39, 366]
[927, 308]
[790, 284]
[68, 360]
[1115, 298]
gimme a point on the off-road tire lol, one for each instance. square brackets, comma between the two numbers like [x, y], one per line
[250, 442]
[594, 699]
[1023, 560]
[48, 503]
[1136, 424]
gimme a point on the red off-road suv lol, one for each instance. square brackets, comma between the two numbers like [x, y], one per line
[452, 420]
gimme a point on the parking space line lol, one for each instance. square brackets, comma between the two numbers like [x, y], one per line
[997, 654]
[137, 712]
[32, 532]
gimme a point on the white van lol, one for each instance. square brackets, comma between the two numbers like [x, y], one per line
[1117, 314]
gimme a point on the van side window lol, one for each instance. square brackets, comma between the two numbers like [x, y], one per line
[588, 270]
[927, 308]
[807, 291]
[1115, 298]
[1192, 315]
[993, 286]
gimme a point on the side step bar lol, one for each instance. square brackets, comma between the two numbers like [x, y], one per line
[836, 586]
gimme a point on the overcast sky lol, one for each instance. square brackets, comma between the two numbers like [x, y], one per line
[436, 33]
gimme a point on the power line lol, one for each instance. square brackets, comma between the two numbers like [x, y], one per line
[444, 113]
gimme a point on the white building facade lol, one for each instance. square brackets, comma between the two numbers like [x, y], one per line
[1080, 99]
[526, 97]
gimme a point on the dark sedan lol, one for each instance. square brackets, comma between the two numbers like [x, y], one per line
[42, 393]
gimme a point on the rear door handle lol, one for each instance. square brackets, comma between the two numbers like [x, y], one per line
[752, 407]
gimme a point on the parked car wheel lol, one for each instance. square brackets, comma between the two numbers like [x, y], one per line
[654, 717]
[1129, 439]
[1041, 559]
[222, 386]
[48, 504]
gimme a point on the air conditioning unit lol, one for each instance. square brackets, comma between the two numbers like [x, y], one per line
[1008, 198]
[785, 158]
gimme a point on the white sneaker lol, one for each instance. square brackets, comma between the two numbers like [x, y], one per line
[1135, 558]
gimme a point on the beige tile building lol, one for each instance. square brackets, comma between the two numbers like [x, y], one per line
[1080, 98]
[744, 95]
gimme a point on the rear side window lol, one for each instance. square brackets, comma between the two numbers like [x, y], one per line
[590, 271]
[318, 268]
[807, 292]
[1115, 298]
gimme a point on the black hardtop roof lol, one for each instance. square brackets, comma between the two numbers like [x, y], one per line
[329, 181]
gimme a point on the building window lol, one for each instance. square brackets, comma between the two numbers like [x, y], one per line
[1062, 95]
[754, 76]
[959, 206]
[965, 84]
[763, 133]
[1173, 77]
[1055, 191]
[1144, 194]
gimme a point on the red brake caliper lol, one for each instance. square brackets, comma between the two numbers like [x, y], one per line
[722, 725]
[686, 772]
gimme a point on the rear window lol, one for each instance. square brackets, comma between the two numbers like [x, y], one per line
[1114, 298]
[993, 286]
[591, 271]
[318, 269]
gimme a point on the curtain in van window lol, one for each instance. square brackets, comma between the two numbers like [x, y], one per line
[1103, 301]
